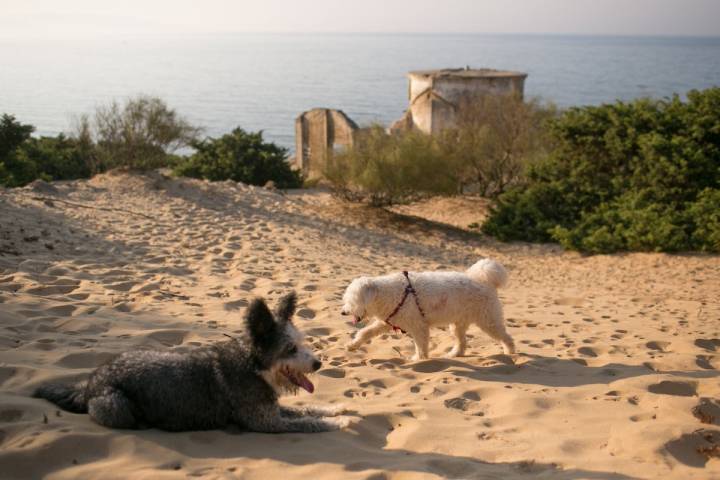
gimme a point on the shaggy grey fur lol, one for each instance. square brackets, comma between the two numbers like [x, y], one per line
[231, 382]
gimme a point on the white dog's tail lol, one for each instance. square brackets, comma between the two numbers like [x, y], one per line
[488, 272]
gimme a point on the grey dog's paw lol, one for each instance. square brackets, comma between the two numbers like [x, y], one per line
[335, 410]
[342, 422]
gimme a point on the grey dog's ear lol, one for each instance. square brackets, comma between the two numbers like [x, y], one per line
[286, 307]
[260, 323]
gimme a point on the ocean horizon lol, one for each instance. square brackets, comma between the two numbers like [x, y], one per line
[264, 81]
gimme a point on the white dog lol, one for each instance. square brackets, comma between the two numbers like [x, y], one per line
[414, 302]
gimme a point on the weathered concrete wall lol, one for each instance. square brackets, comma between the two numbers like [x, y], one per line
[436, 95]
[318, 133]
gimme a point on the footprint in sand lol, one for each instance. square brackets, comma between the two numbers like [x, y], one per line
[643, 417]
[588, 351]
[658, 346]
[332, 372]
[168, 337]
[695, 449]
[709, 344]
[570, 301]
[235, 305]
[318, 332]
[707, 411]
[708, 362]
[465, 405]
[306, 313]
[678, 388]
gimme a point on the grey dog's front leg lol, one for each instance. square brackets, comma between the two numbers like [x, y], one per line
[313, 411]
[271, 420]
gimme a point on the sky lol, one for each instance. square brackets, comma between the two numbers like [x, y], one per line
[95, 18]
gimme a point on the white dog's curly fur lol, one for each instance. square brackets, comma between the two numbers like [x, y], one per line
[458, 299]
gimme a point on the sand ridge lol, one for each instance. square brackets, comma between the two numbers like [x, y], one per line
[617, 354]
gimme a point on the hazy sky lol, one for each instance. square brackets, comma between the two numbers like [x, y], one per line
[60, 18]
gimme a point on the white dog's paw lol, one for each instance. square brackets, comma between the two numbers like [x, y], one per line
[454, 353]
[352, 346]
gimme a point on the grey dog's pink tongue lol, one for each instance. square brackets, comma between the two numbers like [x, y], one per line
[305, 383]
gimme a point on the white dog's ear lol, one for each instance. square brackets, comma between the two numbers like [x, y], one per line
[369, 291]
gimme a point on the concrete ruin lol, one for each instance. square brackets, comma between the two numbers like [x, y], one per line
[436, 96]
[319, 133]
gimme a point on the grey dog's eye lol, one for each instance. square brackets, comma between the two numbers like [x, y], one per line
[292, 350]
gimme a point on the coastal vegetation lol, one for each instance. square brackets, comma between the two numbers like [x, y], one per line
[492, 142]
[140, 134]
[240, 156]
[630, 176]
[641, 175]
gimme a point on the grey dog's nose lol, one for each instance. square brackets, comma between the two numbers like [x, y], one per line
[316, 365]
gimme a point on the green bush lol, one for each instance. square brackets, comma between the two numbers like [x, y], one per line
[15, 168]
[24, 158]
[240, 156]
[642, 175]
[704, 216]
[59, 158]
[384, 169]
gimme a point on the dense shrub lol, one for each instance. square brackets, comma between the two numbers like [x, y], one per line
[24, 158]
[642, 175]
[15, 168]
[384, 169]
[59, 158]
[240, 156]
[140, 134]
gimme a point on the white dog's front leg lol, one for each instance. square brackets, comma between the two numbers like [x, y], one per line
[421, 337]
[363, 336]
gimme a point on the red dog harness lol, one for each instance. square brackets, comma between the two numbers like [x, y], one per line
[409, 289]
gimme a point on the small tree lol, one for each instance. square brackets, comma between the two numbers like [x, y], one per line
[495, 138]
[138, 134]
[240, 156]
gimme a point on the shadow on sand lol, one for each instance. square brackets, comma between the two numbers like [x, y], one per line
[540, 370]
[362, 449]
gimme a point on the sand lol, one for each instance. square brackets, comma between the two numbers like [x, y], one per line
[616, 374]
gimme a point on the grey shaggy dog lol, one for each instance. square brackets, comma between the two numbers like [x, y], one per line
[234, 382]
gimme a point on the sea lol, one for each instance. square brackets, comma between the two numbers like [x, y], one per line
[264, 81]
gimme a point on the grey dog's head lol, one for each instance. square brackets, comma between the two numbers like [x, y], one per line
[284, 357]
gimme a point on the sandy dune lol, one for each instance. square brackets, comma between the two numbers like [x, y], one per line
[616, 375]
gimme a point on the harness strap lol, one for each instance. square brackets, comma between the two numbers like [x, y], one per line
[408, 290]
